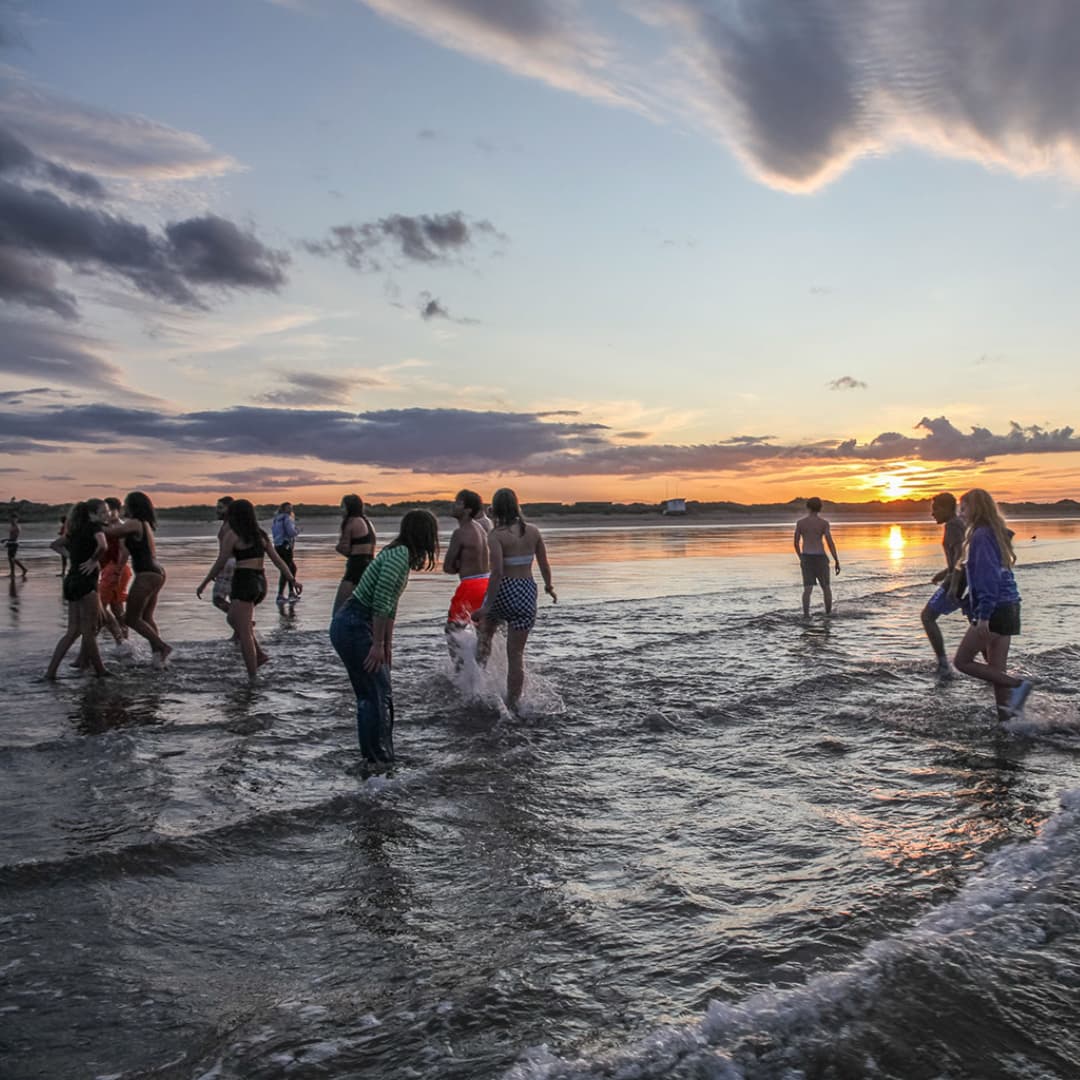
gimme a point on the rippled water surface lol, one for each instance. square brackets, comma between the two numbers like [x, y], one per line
[721, 841]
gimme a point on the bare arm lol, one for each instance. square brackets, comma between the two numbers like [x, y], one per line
[344, 544]
[382, 644]
[832, 548]
[226, 543]
[452, 562]
[495, 575]
[798, 537]
[545, 568]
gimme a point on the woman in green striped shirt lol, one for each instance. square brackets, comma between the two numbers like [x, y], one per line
[362, 630]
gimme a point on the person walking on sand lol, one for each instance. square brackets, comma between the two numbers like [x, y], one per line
[14, 532]
[511, 591]
[362, 630]
[812, 533]
[992, 603]
[284, 531]
[468, 557]
[137, 531]
[944, 600]
[84, 544]
[243, 541]
[356, 543]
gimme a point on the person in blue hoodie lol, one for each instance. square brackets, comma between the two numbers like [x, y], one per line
[992, 602]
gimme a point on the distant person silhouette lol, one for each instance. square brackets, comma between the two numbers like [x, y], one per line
[812, 533]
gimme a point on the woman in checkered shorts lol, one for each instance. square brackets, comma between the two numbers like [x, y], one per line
[511, 591]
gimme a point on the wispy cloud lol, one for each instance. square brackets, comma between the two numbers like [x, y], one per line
[846, 382]
[312, 388]
[431, 307]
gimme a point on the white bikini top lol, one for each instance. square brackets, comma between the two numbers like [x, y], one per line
[517, 560]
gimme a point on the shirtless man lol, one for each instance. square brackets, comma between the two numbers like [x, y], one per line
[467, 556]
[944, 600]
[811, 534]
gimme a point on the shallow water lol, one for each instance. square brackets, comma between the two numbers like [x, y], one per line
[721, 841]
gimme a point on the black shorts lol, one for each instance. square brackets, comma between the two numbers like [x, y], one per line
[77, 585]
[355, 566]
[248, 585]
[1005, 619]
[12, 548]
[815, 568]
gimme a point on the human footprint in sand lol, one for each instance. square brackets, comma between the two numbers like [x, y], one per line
[242, 539]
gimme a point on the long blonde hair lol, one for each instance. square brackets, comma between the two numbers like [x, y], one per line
[980, 509]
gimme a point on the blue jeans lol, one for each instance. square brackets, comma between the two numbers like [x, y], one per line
[351, 636]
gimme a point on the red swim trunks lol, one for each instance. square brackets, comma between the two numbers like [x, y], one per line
[113, 583]
[467, 599]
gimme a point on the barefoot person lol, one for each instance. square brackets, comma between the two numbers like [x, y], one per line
[137, 532]
[511, 591]
[993, 602]
[284, 531]
[356, 543]
[362, 631]
[812, 533]
[223, 579]
[467, 556]
[243, 541]
[944, 600]
[83, 542]
[14, 532]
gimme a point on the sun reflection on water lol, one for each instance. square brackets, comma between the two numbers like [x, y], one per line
[896, 542]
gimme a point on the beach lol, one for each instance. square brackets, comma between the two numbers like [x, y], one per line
[720, 840]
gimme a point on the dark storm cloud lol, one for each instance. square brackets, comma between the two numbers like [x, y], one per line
[16, 157]
[38, 225]
[429, 440]
[425, 238]
[846, 382]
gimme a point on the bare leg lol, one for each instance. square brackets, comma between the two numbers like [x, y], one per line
[993, 671]
[826, 592]
[65, 643]
[515, 665]
[806, 599]
[89, 608]
[145, 587]
[485, 631]
[240, 613]
[933, 633]
[345, 589]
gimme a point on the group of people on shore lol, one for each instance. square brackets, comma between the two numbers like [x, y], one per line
[977, 580]
[113, 580]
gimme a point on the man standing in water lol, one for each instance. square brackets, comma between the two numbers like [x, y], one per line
[811, 534]
[944, 600]
[467, 556]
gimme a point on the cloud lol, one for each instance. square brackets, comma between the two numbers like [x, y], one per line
[539, 39]
[425, 238]
[429, 440]
[633, 434]
[846, 382]
[310, 388]
[37, 351]
[17, 157]
[206, 251]
[250, 480]
[83, 137]
[16, 397]
[432, 308]
[802, 89]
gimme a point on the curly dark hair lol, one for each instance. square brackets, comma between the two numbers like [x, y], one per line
[141, 508]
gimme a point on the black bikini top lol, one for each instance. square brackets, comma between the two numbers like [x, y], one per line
[253, 552]
[367, 538]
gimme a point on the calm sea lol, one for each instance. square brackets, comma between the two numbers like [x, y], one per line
[721, 842]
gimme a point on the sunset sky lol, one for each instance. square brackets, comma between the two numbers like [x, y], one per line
[593, 250]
